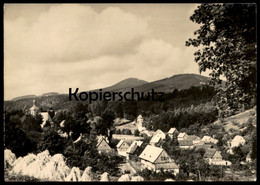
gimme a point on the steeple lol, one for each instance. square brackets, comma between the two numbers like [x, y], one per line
[34, 109]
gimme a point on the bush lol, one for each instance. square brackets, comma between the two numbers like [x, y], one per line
[136, 133]
[126, 132]
[117, 131]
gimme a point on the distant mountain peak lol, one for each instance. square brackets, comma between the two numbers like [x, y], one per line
[127, 83]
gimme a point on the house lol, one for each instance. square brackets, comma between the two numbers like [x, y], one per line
[172, 132]
[102, 145]
[212, 155]
[132, 149]
[237, 141]
[122, 147]
[158, 137]
[188, 141]
[201, 143]
[46, 117]
[140, 149]
[182, 136]
[195, 139]
[186, 144]
[155, 158]
[34, 110]
[208, 139]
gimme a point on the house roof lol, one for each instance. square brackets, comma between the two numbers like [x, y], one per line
[158, 131]
[45, 116]
[206, 138]
[133, 146]
[182, 134]
[192, 137]
[172, 130]
[155, 139]
[132, 149]
[210, 152]
[100, 139]
[120, 143]
[151, 153]
[238, 138]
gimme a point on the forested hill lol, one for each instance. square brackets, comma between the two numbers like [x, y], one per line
[61, 101]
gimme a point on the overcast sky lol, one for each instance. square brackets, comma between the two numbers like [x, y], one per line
[52, 47]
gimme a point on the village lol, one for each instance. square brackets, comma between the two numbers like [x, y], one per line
[151, 155]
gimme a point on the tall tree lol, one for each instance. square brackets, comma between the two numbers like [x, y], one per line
[227, 42]
[105, 125]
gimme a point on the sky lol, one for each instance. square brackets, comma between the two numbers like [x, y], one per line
[54, 47]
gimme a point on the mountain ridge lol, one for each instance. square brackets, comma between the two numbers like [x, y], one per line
[168, 84]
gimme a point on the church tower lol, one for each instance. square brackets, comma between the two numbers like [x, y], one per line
[34, 109]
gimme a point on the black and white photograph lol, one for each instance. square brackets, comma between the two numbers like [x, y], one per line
[130, 92]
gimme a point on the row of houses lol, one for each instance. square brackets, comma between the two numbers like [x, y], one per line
[154, 157]
[150, 156]
[212, 155]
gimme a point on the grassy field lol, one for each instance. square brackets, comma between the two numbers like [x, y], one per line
[132, 126]
[237, 120]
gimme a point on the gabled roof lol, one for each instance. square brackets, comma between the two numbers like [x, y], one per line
[155, 139]
[182, 134]
[100, 139]
[210, 152]
[159, 131]
[151, 153]
[132, 149]
[206, 138]
[133, 146]
[172, 130]
[45, 116]
[120, 143]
